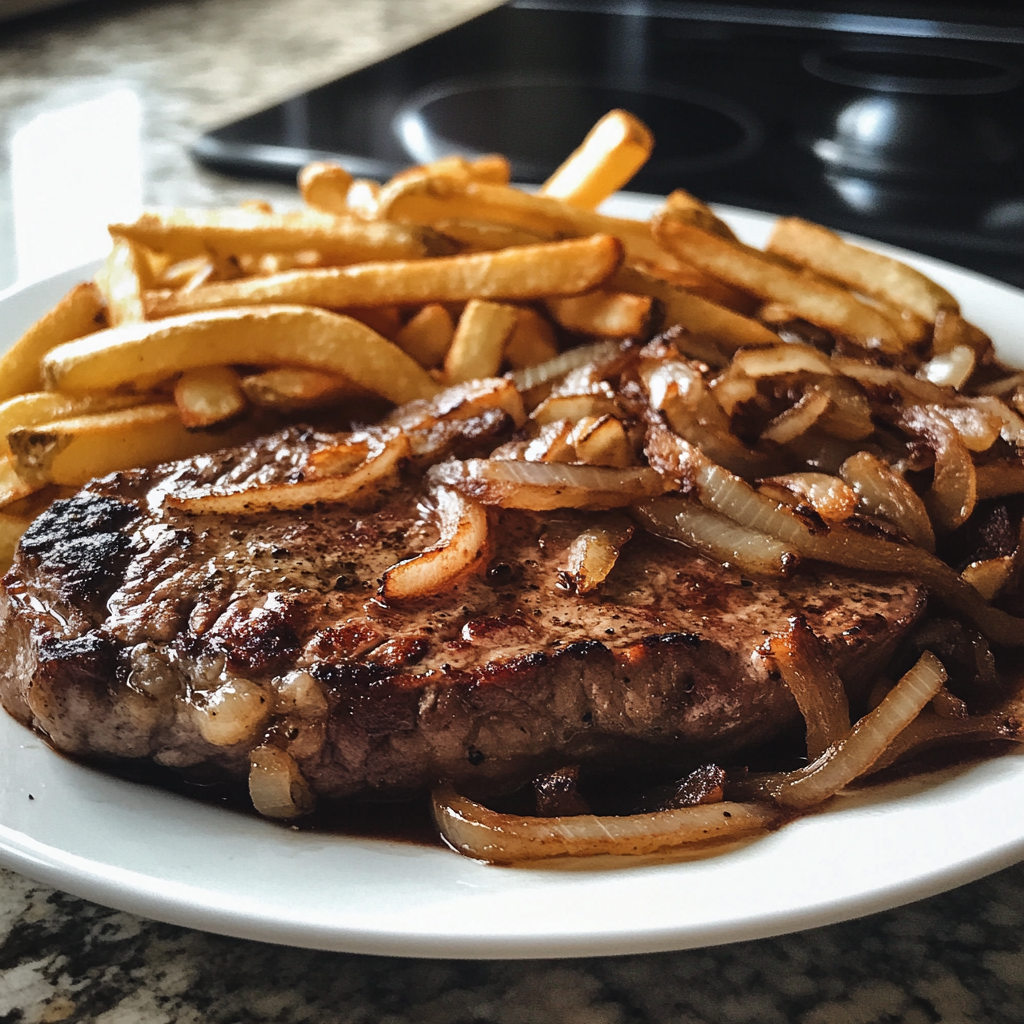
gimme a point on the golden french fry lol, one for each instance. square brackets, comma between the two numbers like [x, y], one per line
[42, 406]
[256, 206]
[532, 342]
[606, 314]
[11, 529]
[13, 485]
[385, 320]
[809, 297]
[613, 151]
[229, 232]
[526, 272]
[324, 186]
[208, 395]
[479, 236]
[601, 441]
[478, 348]
[250, 335]
[695, 313]
[121, 281]
[79, 313]
[179, 273]
[74, 451]
[880, 276]
[696, 282]
[421, 199]
[428, 335]
[363, 198]
[289, 389]
[492, 168]
[689, 208]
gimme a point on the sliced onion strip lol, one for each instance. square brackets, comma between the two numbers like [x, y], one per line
[865, 743]
[542, 486]
[883, 492]
[532, 376]
[475, 831]
[832, 499]
[463, 524]
[716, 536]
[798, 418]
[593, 554]
[385, 455]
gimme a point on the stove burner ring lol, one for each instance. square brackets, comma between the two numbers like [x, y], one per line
[913, 66]
[538, 120]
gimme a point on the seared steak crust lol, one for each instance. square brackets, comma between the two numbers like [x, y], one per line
[131, 630]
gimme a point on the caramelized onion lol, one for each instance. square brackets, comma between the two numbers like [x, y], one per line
[815, 685]
[1000, 478]
[463, 524]
[716, 536]
[949, 369]
[954, 490]
[726, 493]
[385, 454]
[475, 831]
[832, 499]
[863, 745]
[541, 486]
[276, 785]
[532, 376]
[883, 492]
[593, 554]
[797, 419]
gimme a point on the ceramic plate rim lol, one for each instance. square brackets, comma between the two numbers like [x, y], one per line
[376, 897]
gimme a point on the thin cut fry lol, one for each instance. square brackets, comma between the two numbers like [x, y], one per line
[363, 198]
[523, 273]
[811, 245]
[324, 186]
[208, 395]
[613, 151]
[13, 486]
[809, 297]
[229, 232]
[79, 313]
[428, 335]
[478, 348]
[36, 407]
[289, 389]
[425, 200]
[693, 211]
[75, 450]
[532, 342]
[254, 335]
[732, 330]
[121, 282]
[11, 529]
[603, 313]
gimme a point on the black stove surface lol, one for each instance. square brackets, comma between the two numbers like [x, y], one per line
[912, 140]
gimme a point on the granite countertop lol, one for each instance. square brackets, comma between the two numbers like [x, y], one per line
[122, 88]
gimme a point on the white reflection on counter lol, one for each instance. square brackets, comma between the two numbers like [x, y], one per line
[73, 171]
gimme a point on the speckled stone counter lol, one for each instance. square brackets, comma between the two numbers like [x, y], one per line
[176, 68]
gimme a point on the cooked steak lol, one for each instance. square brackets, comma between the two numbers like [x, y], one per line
[129, 629]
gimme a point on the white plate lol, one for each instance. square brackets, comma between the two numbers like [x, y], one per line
[165, 857]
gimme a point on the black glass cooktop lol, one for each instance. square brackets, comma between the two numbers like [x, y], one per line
[900, 128]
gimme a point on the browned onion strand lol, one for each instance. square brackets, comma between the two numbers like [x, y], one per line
[463, 524]
[815, 685]
[542, 486]
[856, 752]
[716, 536]
[593, 554]
[475, 831]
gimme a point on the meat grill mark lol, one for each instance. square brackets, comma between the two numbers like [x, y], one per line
[499, 678]
[80, 541]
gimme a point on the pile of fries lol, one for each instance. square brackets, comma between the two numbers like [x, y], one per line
[832, 370]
